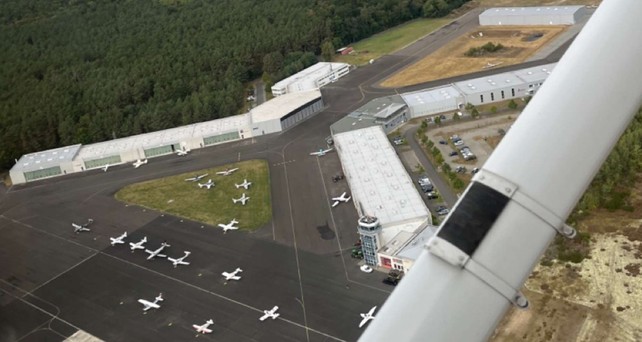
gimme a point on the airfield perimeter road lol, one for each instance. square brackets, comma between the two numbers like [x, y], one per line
[54, 282]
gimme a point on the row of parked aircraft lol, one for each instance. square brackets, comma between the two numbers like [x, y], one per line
[209, 184]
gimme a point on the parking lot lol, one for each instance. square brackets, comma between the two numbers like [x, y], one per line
[480, 135]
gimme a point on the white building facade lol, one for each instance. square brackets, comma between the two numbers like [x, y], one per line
[549, 15]
[311, 78]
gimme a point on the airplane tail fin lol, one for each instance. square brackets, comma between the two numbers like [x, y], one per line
[159, 298]
[210, 322]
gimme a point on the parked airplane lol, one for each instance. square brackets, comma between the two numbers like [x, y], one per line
[207, 185]
[245, 184]
[82, 227]
[151, 305]
[243, 199]
[180, 261]
[138, 163]
[196, 178]
[138, 245]
[491, 65]
[182, 152]
[340, 199]
[232, 275]
[203, 328]
[270, 313]
[367, 316]
[321, 152]
[227, 172]
[105, 168]
[229, 226]
[118, 240]
[156, 253]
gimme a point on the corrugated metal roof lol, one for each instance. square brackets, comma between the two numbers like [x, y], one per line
[378, 180]
[283, 105]
[45, 159]
[530, 11]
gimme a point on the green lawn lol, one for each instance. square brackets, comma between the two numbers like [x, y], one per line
[390, 40]
[175, 196]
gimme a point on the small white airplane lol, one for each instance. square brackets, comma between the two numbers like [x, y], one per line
[232, 275]
[245, 184]
[196, 178]
[321, 152]
[156, 253]
[207, 185]
[270, 313]
[151, 305]
[138, 163]
[367, 316]
[203, 328]
[491, 65]
[138, 245]
[227, 172]
[340, 199]
[180, 261]
[82, 227]
[229, 226]
[118, 240]
[182, 152]
[104, 168]
[243, 199]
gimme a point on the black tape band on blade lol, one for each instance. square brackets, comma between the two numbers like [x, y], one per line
[475, 215]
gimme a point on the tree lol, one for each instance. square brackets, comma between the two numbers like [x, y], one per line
[437, 120]
[327, 50]
[512, 104]
[474, 113]
[272, 62]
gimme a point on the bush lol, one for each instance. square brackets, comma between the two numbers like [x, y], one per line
[493, 109]
[512, 105]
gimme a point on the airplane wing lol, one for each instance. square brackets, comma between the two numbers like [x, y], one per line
[315, 153]
[364, 321]
[264, 317]
[149, 252]
[371, 312]
[336, 203]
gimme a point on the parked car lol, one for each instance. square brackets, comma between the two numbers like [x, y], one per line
[443, 212]
[432, 195]
[443, 142]
[452, 153]
[366, 269]
[337, 178]
[423, 179]
[459, 142]
[475, 170]
[427, 187]
[460, 169]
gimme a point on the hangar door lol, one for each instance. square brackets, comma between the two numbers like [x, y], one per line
[48, 172]
[161, 150]
[221, 138]
[94, 163]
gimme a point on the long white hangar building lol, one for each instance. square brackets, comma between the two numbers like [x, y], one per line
[276, 115]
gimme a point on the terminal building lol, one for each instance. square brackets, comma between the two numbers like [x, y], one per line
[522, 16]
[389, 206]
[273, 116]
[311, 78]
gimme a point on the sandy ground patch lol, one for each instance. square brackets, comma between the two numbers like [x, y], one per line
[599, 299]
[520, 43]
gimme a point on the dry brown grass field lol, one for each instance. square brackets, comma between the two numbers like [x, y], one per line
[520, 42]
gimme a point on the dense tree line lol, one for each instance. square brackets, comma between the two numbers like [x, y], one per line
[82, 71]
[610, 188]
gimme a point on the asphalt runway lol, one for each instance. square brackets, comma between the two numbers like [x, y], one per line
[55, 282]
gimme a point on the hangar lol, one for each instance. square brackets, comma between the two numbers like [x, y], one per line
[311, 78]
[504, 86]
[433, 101]
[270, 117]
[50, 163]
[549, 15]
